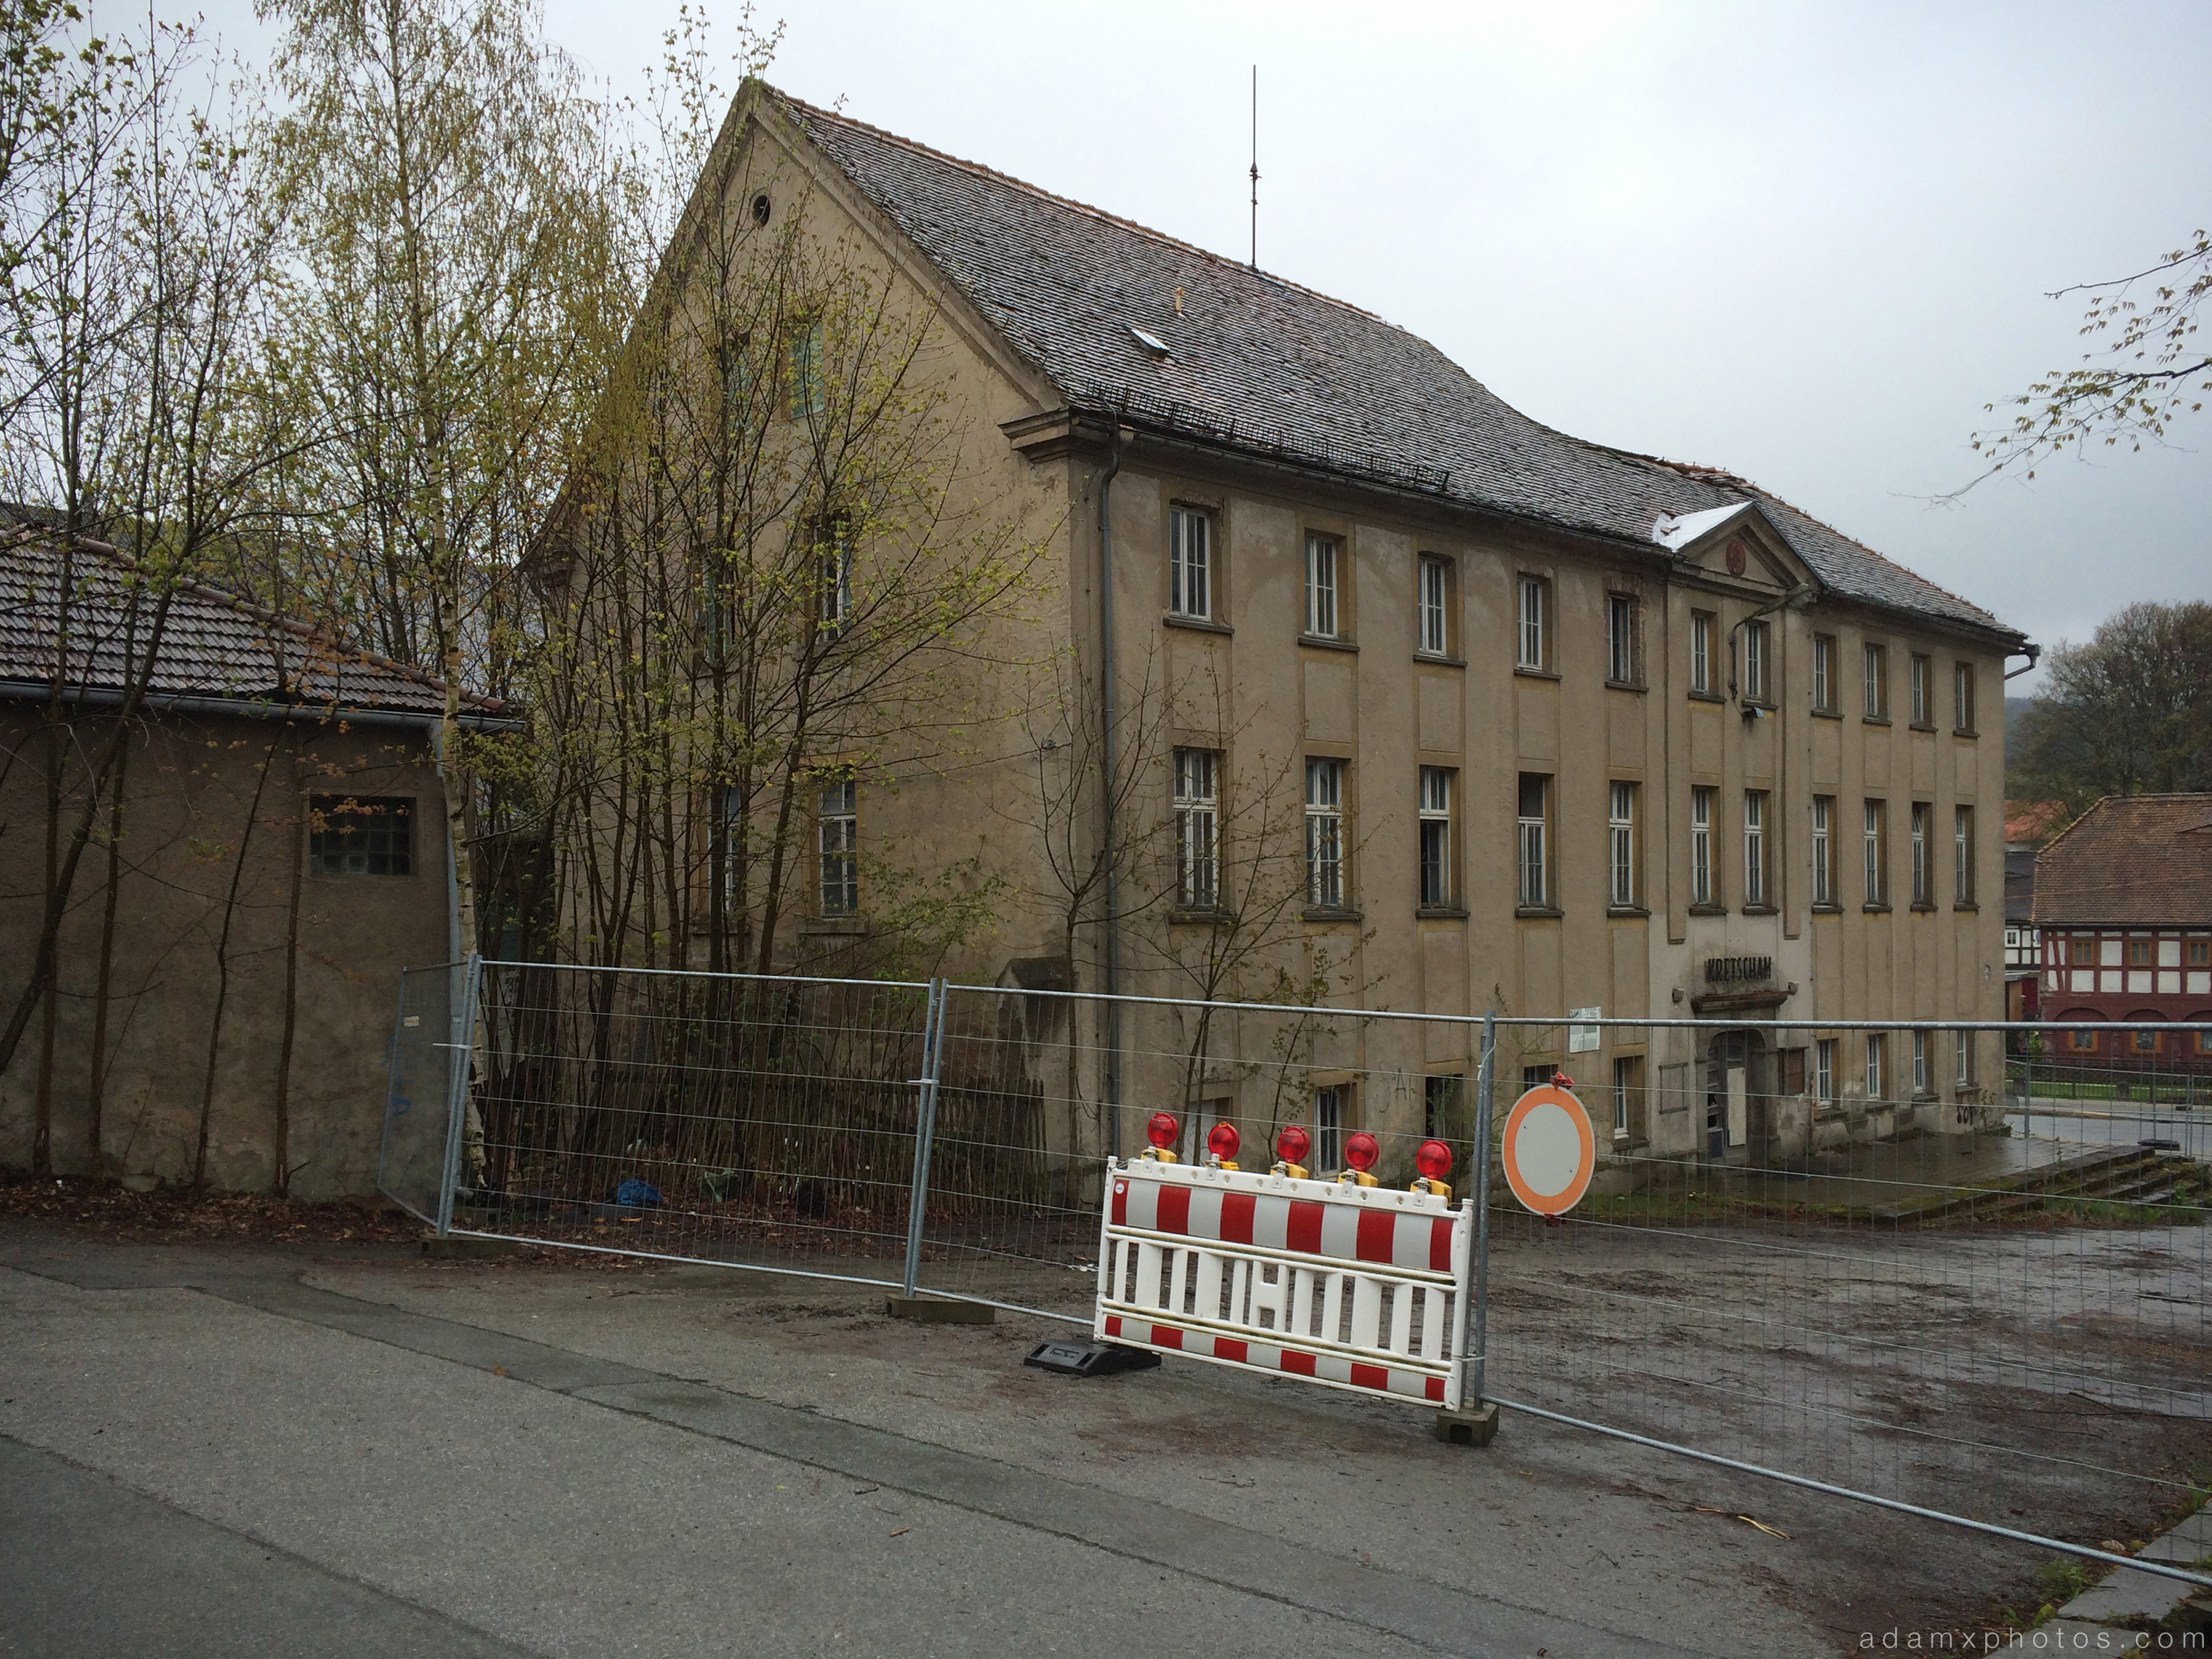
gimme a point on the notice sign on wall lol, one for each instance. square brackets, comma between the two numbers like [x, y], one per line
[1583, 1030]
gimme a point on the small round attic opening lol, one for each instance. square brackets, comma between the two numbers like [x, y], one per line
[761, 207]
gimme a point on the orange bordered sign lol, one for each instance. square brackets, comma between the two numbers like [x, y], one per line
[1548, 1151]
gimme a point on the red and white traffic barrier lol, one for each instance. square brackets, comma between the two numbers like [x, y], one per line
[1340, 1282]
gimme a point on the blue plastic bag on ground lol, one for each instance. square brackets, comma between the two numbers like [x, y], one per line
[637, 1195]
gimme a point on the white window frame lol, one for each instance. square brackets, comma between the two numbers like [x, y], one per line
[1962, 1060]
[1528, 633]
[1755, 846]
[1327, 1150]
[1701, 651]
[1877, 884]
[1532, 862]
[1620, 638]
[1436, 837]
[1625, 1068]
[1620, 838]
[1962, 854]
[1920, 1063]
[837, 844]
[1824, 849]
[1920, 689]
[1877, 681]
[1190, 562]
[1755, 662]
[1435, 600]
[1197, 815]
[1962, 697]
[1875, 1054]
[1325, 833]
[835, 577]
[1824, 1071]
[1824, 672]
[1322, 572]
[1917, 830]
[1701, 843]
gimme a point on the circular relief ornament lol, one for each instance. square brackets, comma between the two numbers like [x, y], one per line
[1735, 558]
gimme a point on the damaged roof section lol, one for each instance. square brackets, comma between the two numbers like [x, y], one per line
[214, 645]
[1255, 363]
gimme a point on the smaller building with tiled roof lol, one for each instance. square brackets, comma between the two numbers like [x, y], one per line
[2124, 907]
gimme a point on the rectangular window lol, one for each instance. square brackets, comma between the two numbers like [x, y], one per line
[1874, 1043]
[2200, 953]
[1190, 562]
[1320, 587]
[1534, 819]
[1628, 1097]
[1824, 849]
[1436, 588]
[2145, 1041]
[1962, 1060]
[1621, 833]
[802, 371]
[1962, 698]
[1328, 1129]
[1529, 653]
[1877, 855]
[1824, 1071]
[1701, 844]
[1755, 662]
[1919, 842]
[838, 825]
[359, 835]
[1197, 816]
[2138, 953]
[2081, 1040]
[1877, 683]
[1325, 832]
[1441, 1113]
[1620, 639]
[1436, 809]
[834, 575]
[1701, 652]
[1921, 690]
[1824, 673]
[1755, 846]
[1793, 1070]
[1962, 854]
[2081, 950]
[1920, 1063]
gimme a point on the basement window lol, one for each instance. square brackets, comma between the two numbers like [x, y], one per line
[359, 835]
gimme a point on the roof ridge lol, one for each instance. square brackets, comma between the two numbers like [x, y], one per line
[1160, 236]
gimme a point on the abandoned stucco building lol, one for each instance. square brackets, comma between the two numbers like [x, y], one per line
[275, 854]
[1554, 725]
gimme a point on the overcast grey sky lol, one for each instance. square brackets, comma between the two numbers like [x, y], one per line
[1807, 243]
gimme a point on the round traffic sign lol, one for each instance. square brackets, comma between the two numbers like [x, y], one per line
[1548, 1151]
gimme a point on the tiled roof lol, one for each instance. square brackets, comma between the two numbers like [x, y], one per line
[213, 645]
[1256, 363]
[2033, 821]
[2130, 861]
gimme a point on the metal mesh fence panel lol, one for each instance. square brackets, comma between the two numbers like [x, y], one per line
[754, 1122]
[410, 1160]
[1861, 1255]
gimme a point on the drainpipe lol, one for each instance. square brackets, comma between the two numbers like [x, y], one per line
[437, 731]
[1109, 777]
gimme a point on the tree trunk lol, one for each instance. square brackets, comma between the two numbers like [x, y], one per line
[283, 1138]
[222, 964]
[96, 1108]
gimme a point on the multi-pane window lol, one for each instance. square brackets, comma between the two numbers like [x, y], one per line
[1620, 639]
[1701, 651]
[802, 371]
[1962, 697]
[1320, 587]
[1877, 860]
[1962, 854]
[1436, 588]
[833, 599]
[838, 825]
[1529, 651]
[1824, 849]
[1962, 1060]
[1755, 662]
[1190, 562]
[1620, 836]
[1442, 1109]
[1920, 839]
[1627, 1097]
[1824, 672]
[1328, 1128]
[1701, 844]
[1877, 683]
[1436, 809]
[359, 835]
[1535, 820]
[1197, 818]
[1325, 832]
[1921, 692]
[1874, 1046]
[1920, 1063]
[1755, 846]
[1824, 1071]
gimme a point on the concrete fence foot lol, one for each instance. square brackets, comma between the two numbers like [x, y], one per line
[937, 1310]
[1477, 1427]
[467, 1249]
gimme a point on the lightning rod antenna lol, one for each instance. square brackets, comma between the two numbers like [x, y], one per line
[1255, 167]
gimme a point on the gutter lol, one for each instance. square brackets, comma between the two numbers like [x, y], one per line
[253, 708]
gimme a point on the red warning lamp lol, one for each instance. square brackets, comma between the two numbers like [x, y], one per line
[1221, 1141]
[1162, 1131]
[1292, 1145]
[1360, 1153]
[1433, 1160]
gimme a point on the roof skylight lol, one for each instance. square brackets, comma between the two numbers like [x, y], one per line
[1154, 346]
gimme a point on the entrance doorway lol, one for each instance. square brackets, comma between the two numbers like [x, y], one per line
[1739, 1092]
